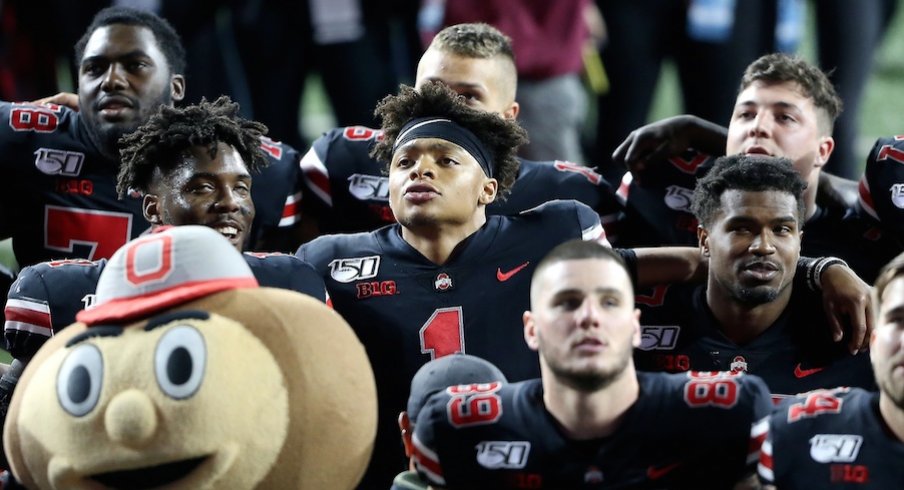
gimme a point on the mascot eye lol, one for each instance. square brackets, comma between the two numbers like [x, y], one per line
[80, 379]
[179, 361]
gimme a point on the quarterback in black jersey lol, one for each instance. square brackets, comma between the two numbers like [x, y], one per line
[345, 190]
[786, 108]
[846, 437]
[420, 289]
[591, 421]
[751, 315]
[65, 205]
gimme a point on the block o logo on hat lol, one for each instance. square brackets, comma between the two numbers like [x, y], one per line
[157, 271]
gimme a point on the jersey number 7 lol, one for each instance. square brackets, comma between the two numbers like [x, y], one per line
[103, 231]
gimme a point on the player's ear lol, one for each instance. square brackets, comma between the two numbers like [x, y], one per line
[512, 111]
[488, 193]
[703, 239]
[406, 429]
[826, 147]
[150, 207]
[530, 330]
[177, 87]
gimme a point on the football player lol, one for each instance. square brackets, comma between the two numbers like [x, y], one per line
[193, 166]
[848, 437]
[591, 420]
[431, 378]
[345, 190]
[751, 315]
[786, 107]
[65, 205]
[417, 290]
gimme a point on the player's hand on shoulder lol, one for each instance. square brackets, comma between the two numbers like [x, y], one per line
[650, 145]
[653, 143]
[65, 99]
[847, 302]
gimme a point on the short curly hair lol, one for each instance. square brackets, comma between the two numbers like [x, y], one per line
[781, 68]
[501, 137]
[749, 173]
[167, 39]
[477, 40]
[162, 142]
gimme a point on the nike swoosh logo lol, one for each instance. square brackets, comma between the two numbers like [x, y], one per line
[803, 373]
[505, 276]
[654, 473]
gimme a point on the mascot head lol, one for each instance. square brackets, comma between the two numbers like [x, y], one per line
[187, 375]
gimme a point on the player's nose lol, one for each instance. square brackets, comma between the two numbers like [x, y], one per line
[588, 314]
[114, 79]
[423, 166]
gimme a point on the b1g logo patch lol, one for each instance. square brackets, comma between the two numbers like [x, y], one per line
[835, 448]
[897, 195]
[369, 187]
[658, 338]
[348, 270]
[497, 455]
[59, 162]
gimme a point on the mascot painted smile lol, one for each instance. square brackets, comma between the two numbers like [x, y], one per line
[186, 375]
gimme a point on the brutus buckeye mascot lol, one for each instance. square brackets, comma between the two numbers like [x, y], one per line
[186, 375]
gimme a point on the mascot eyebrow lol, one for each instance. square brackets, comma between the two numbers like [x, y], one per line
[161, 320]
[158, 321]
[98, 331]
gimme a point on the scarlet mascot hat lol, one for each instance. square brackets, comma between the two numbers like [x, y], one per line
[186, 375]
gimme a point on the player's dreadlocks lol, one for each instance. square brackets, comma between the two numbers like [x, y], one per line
[748, 173]
[162, 142]
[501, 137]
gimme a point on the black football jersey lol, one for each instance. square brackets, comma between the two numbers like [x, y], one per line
[879, 217]
[831, 439]
[795, 354]
[689, 430]
[882, 185]
[658, 212]
[46, 296]
[64, 202]
[347, 191]
[407, 310]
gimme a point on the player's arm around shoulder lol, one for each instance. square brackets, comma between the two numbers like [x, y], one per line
[28, 321]
[306, 280]
[319, 252]
[571, 218]
[286, 272]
